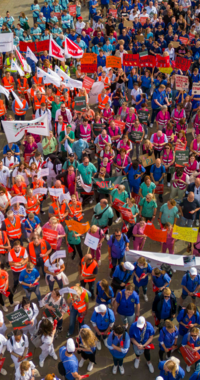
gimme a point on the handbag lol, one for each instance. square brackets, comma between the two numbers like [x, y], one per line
[36, 340]
[99, 216]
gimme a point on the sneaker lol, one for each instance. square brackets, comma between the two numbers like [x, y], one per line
[3, 372]
[4, 308]
[41, 363]
[168, 184]
[91, 201]
[107, 237]
[82, 361]
[105, 342]
[197, 222]
[40, 304]
[98, 345]
[90, 366]
[114, 370]
[117, 220]
[121, 369]
[151, 125]
[42, 212]
[188, 368]
[151, 369]
[136, 363]
[145, 298]
[54, 356]
[99, 263]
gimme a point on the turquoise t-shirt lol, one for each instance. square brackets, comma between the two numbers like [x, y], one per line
[87, 172]
[71, 237]
[168, 215]
[147, 189]
[103, 221]
[134, 209]
[122, 197]
[147, 207]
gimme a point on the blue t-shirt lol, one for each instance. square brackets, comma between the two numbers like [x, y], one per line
[190, 284]
[101, 295]
[28, 278]
[103, 321]
[167, 338]
[183, 317]
[157, 172]
[188, 338]
[139, 271]
[70, 363]
[14, 148]
[118, 247]
[134, 183]
[33, 223]
[180, 373]
[137, 333]
[127, 305]
[123, 276]
[166, 309]
[124, 344]
[161, 280]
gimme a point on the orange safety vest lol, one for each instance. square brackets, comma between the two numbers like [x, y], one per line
[72, 211]
[32, 254]
[51, 98]
[88, 271]
[62, 211]
[80, 306]
[103, 102]
[63, 186]
[22, 88]
[38, 81]
[34, 207]
[18, 259]
[13, 231]
[8, 84]
[3, 279]
[105, 80]
[55, 209]
[3, 241]
[38, 102]
[18, 110]
[17, 190]
[41, 184]
[2, 108]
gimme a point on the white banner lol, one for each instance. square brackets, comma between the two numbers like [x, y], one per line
[196, 89]
[58, 255]
[15, 130]
[95, 91]
[43, 173]
[55, 192]
[71, 83]
[17, 99]
[15, 66]
[4, 91]
[91, 241]
[60, 72]
[31, 55]
[48, 78]
[40, 190]
[65, 196]
[17, 199]
[40, 73]
[51, 72]
[80, 182]
[6, 42]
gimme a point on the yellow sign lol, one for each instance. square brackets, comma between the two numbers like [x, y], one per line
[185, 233]
[165, 70]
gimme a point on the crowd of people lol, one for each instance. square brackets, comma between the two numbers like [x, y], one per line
[117, 156]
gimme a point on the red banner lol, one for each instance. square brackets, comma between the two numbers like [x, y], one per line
[154, 234]
[127, 215]
[162, 61]
[184, 40]
[113, 12]
[190, 357]
[159, 188]
[136, 197]
[147, 61]
[42, 46]
[131, 59]
[117, 204]
[120, 124]
[50, 236]
[182, 63]
[27, 157]
[58, 15]
[2, 363]
[72, 10]
[23, 46]
[88, 83]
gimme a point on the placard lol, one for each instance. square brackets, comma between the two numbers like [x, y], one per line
[89, 63]
[67, 290]
[80, 228]
[131, 59]
[43, 173]
[63, 197]
[140, 38]
[142, 20]
[97, 128]
[154, 234]
[143, 116]
[19, 319]
[196, 89]
[112, 61]
[162, 61]
[128, 24]
[72, 10]
[17, 199]
[40, 190]
[80, 103]
[175, 44]
[189, 356]
[147, 61]
[120, 124]
[56, 314]
[181, 157]
[147, 160]
[50, 236]
[88, 83]
[2, 363]
[91, 241]
[185, 233]
[113, 12]
[181, 82]
[182, 63]
[184, 40]
[136, 197]
[27, 157]
[159, 188]
[117, 204]
[127, 215]
[58, 255]
[55, 192]
[135, 136]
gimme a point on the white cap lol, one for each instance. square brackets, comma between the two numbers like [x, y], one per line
[70, 346]
[159, 378]
[128, 266]
[100, 309]
[193, 271]
[140, 322]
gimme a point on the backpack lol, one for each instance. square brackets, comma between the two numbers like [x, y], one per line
[12, 341]
[162, 170]
[167, 268]
[61, 369]
[113, 239]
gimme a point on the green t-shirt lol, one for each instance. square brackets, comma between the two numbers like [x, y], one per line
[103, 221]
[122, 197]
[147, 189]
[62, 135]
[67, 164]
[168, 215]
[134, 209]
[147, 207]
[71, 238]
[87, 172]
[50, 149]
[55, 107]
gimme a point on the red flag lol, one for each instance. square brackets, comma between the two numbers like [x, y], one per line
[55, 50]
[182, 63]
[162, 61]
[131, 59]
[72, 49]
[155, 288]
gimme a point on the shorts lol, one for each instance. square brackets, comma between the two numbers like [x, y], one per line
[104, 6]
[184, 296]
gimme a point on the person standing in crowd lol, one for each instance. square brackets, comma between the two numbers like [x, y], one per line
[117, 349]
[102, 320]
[118, 244]
[88, 272]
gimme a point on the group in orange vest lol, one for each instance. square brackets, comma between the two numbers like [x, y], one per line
[78, 306]
[33, 203]
[17, 258]
[12, 226]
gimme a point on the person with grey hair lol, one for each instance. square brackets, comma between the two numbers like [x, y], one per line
[188, 208]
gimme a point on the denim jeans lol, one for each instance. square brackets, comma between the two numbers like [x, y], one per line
[143, 287]
[184, 222]
[51, 283]
[118, 362]
[36, 291]
[130, 319]
[72, 320]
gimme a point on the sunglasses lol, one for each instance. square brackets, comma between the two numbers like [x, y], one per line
[193, 335]
[118, 235]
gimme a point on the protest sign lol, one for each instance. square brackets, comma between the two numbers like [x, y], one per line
[184, 40]
[127, 215]
[140, 38]
[147, 61]
[72, 10]
[195, 89]
[182, 63]
[154, 234]
[175, 44]
[82, 185]
[89, 63]
[135, 136]
[112, 61]
[58, 255]
[97, 128]
[117, 204]
[80, 103]
[91, 241]
[181, 157]
[190, 357]
[78, 227]
[95, 91]
[185, 233]
[136, 197]
[63, 197]
[23, 46]
[120, 124]
[18, 199]
[128, 24]
[50, 236]
[113, 12]
[55, 192]
[6, 42]
[43, 173]
[55, 314]
[142, 20]
[162, 61]
[15, 130]
[147, 160]
[40, 190]
[155, 259]
[19, 319]
[106, 186]
[2, 363]
[191, 36]
[143, 116]
[159, 188]
[131, 59]
[67, 290]
[165, 70]
[87, 83]
[181, 82]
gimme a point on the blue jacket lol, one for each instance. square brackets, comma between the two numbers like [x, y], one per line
[136, 333]
[123, 342]
[167, 338]
[183, 317]
[127, 306]
[122, 276]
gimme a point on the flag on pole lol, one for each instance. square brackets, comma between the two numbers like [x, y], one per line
[4, 91]
[60, 72]
[55, 50]
[17, 99]
[31, 55]
[47, 78]
[22, 60]
[71, 83]
[72, 49]
[51, 72]
[14, 66]
[40, 73]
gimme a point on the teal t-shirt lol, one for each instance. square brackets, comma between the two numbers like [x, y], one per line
[71, 237]
[168, 215]
[147, 189]
[122, 197]
[134, 209]
[87, 172]
[103, 221]
[147, 207]
[62, 136]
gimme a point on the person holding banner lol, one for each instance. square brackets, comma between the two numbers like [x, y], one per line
[132, 206]
[33, 203]
[32, 312]
[171, 369]
[99, 234]
[160, 280]
[192, 342]
[18, 346]
[119, 194]
[54, 269]
[167, 339]
[54, 225]
[187, 318]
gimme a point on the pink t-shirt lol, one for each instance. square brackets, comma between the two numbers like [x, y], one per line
[29, 148]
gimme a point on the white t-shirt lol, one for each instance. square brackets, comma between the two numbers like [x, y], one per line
[135, 93]
[53, 267]
[27, 374]
[18, 347]
[3, 342]
[10, 162]
[4, 174]
[32, 314]
[4, 199]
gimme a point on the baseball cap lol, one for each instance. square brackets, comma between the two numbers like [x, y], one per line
[70, 346]
[193, 271]
[100, 309]
[128, 266]
[80, 18]
[71, 155]
[140, 322]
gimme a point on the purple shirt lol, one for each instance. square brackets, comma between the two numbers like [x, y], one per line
[29, 148]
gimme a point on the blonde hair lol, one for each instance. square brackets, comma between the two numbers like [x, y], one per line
[142, 261]
[53, 219]
[88, 338]
[94, 229]
[172, 364]
[149, 143]
[169, 324]
[167, 292]
[24, 366]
